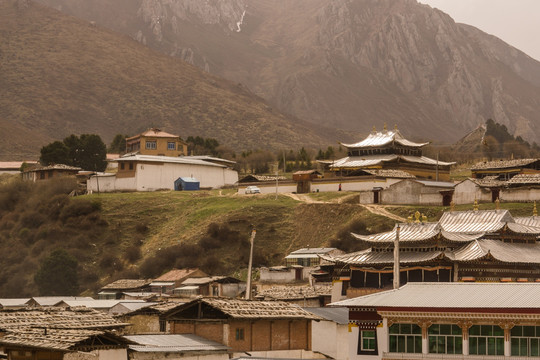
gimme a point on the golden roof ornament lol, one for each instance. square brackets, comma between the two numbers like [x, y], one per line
[424, 218]
[417, 217]
[452, 206]
[475, 206]
[395, 127]
[409, 219]
[384, 127]
[497, 204]
[535, 213]
[374, 129]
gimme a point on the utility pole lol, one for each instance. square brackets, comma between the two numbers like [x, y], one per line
[277, 184]
[437, 168]
[396, 259]
[248, 286]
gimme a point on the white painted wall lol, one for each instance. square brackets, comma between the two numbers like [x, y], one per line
[523, 194]
[285, 276]
[350, 185]
[113, 354]
[331, 339]
[382, 343]
[284, 188]
[151, 177]
[281, 354]
[465, 192]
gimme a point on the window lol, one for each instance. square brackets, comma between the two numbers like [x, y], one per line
[367, 342]
[445, 339]
[486, 340]
[239, 333]
[162, 326]
[525, 340]
[171, 145]
[130, 166]
[151, 145]
[122, 166]
[405, 338]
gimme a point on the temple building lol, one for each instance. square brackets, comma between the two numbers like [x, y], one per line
[389, 150]
[463, 246]
[446, 321]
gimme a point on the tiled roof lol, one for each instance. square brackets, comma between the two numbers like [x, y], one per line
[126, 284]
[53, 339]
[502, 164]
[57, 318]
[159, 308]
[453, 295]
[381, 138]
[294, 292]
[250, 309]
[54, 167]
[389, 173]
[524, 179]
[176, 274]
[153, 132]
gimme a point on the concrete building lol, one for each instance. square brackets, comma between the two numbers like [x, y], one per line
[331, 335]
[446, 321]
[138, 172]
[154, 141]
[412, 192]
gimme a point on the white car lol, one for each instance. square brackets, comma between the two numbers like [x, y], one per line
[253, 190]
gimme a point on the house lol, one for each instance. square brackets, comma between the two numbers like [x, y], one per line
[221, 286]
[138, 172]
[154, 141]
[14, 303]
[505, 169]
[267, 184]
[262, 328]
[14, 167]
[168, 346]
[303, 180]
[446, 321]
[48, 172]
[412, 192]
[305, 295]
[166, 283]
[186, 184]
[53, 300]
[56, 333]
[388, 150]
[331, 334]
[475, 245]
[123, 307]
[149, 319]
[309, 257]
[115, 290]
[100, 305]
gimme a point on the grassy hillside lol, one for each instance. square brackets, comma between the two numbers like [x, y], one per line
[145, 234]
[61, 75]
[142, 235]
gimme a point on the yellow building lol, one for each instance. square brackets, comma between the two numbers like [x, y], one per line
[156, 142]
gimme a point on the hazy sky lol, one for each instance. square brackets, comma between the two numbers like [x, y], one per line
[517, 22]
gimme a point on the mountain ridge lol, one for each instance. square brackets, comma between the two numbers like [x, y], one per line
[354, 63]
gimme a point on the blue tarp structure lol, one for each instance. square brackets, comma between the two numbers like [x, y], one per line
[186, 183]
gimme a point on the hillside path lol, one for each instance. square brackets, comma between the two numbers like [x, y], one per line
[374, 209]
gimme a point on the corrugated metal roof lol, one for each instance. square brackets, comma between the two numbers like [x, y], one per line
[528, 221]
[502, 164]
[372, 160]
[379, 138]
[408, 233]
[173, 343]
[53, 300]
[167, 159]
[441, 184]
[453, 295]
[516, 253]
[14, 302]
[475, 221]
[312, 251]
[425, 160]
[335, 314]
[370, 257]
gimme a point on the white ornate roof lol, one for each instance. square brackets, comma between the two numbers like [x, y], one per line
[378, 138]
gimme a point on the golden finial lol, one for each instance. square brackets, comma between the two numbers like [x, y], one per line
[395, 127]
[417, 217]
[497, 204]
[475, 206]
[384, 127]
[535, 213]
[409, 219]
[424, 218]
[374, 129]
[452, 206]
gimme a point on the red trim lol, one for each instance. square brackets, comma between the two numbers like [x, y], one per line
[468, 310]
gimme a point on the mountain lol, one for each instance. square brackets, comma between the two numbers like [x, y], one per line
[351, 63]
[60, 75]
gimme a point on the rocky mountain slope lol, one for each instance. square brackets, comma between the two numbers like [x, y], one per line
[60, 75]
[349, 63]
